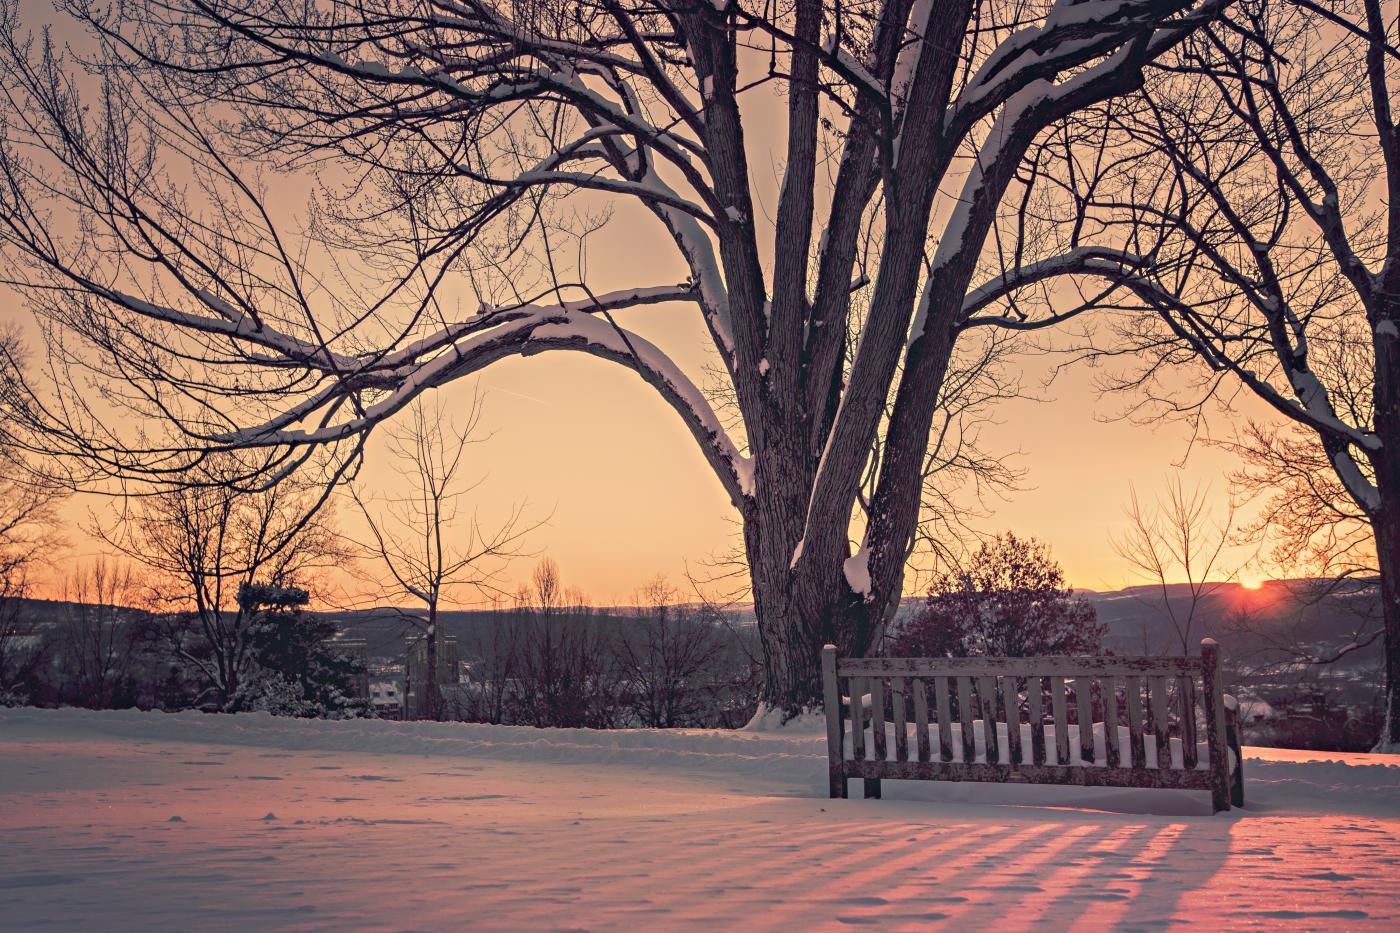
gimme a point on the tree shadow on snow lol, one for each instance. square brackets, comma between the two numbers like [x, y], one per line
[993, 854]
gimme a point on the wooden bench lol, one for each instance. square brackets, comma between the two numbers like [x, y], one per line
[985, 719]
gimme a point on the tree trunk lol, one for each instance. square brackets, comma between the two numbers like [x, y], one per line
[802, 600]
[428, 706]
[795, 621]
[1385, 521]
[1388, 559]
[227, 687]
[807, 600]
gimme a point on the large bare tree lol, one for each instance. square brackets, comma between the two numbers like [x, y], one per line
[479, 146]
[1256, 183]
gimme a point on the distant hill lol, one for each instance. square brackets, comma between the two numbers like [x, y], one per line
[1137, 623]
[43, 612]
[1244, 620]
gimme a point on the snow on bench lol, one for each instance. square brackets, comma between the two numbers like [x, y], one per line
[1154, 722]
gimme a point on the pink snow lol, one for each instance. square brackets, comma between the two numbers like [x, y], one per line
[149, 821]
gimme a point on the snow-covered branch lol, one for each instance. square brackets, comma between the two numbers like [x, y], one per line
[496, 334]
[1100, 260]
[1071, 34]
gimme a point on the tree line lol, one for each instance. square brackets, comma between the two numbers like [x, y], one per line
[550, 659]
[102, 646]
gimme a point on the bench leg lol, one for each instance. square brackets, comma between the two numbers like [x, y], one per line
[1236, 775]
[838, 784]
[1219, 797]
[872, 788]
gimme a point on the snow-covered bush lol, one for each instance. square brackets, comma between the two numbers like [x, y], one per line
[295, 669]
[1009, 601]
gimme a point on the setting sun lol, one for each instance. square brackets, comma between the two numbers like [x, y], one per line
[1251, 582]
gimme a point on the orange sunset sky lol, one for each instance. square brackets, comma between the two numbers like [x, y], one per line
[627, 493]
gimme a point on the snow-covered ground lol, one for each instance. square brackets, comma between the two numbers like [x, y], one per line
[147, 821]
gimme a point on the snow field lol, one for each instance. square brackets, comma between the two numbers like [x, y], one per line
[126, 821]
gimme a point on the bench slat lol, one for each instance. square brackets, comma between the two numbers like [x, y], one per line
[945, 719]
[1012, 696]
[987, 700]
[877, 718]
[835, 729]
[1084, 704]
[1136, 746]
[901, 728]
[857, 687]
[1186, 696]
[1161, 729]
[1035, 686]
[1110, 721]
[1023, 667]
[965, 714]
[1057, 705]
[921, 717]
